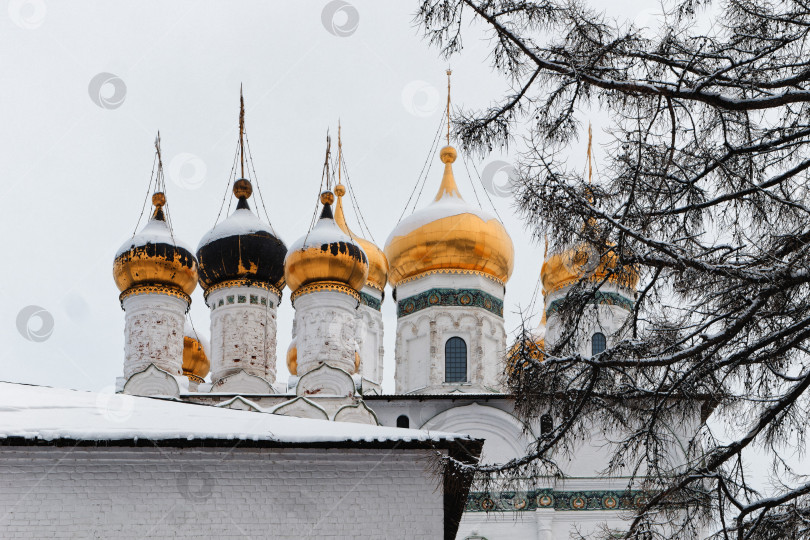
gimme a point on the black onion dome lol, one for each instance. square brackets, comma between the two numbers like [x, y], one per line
[241, 247]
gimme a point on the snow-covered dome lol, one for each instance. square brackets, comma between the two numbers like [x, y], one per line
[326, 255]
[449, 234]
[155, 258]
[241, 248]
[583, 263]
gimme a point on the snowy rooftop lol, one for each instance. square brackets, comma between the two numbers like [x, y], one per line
[241, 222]
[38, 412]
[155, 231]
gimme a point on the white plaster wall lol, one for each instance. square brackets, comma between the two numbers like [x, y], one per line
[243, 335]
[49, 492]
[325, 330]
[450, 281]
[604, 318]
[420, 347]
[370, 339]
[492, 418]
[536, 525]
[153, 333]
[422, 335]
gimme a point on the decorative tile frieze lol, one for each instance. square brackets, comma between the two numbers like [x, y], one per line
[368, 300]
[255, 300]
[450, 297]
[599, 298]
[514, 501]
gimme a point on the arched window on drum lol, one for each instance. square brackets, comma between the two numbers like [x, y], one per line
[455, 360]
[598, 343]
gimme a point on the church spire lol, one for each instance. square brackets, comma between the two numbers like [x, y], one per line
[340, 190]
[242, 129]
[448, 155]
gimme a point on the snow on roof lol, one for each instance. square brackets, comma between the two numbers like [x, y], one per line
[38, 412]
[325, 231]
[155, 231]
[448, 205]
[241, 222]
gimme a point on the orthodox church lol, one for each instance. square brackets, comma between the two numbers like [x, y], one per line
[446, 267]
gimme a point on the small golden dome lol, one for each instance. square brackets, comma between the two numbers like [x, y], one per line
[377, 262]
[326, 255]
[292, 358]
[582, 262]
[196, 364]
[356, 362]
[155, 257]
[449, 234]
[531, 347]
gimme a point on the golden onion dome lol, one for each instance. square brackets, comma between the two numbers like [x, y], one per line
[532, 346]
[582, 262]
[241, 247]
[449, 234]
[326, 255]
[377, 262]
[292, 358]
[196, 364]
[356, 362]
[154, 257]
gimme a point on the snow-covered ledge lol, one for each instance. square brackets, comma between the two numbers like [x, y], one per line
[358, 414]
[153, 382]
[326, 380]
[242, 382]
[301, 407]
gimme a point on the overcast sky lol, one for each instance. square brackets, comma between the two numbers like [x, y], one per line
[77, 147]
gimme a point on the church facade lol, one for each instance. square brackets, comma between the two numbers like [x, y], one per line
[446, 266]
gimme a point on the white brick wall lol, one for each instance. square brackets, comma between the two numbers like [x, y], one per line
[50, 492]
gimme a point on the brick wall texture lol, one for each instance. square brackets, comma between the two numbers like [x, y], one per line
[64, 492]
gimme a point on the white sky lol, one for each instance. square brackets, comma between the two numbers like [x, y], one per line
[75, 174]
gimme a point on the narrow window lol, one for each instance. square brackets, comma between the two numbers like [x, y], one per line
[598, 343]
[455, 360]
[546, 424]
[403, 421]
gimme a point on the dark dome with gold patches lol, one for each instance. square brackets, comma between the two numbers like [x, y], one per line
[241, 248]
[154, 257]
[326, 255]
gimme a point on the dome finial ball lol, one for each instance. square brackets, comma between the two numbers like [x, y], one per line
[448, 154]
[159, 199]
[242, 189]
[327, 197]
[340, 190]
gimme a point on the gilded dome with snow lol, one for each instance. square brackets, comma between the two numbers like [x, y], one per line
[449, 234]
[154, 257]
[583, 263]
[326, 254]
